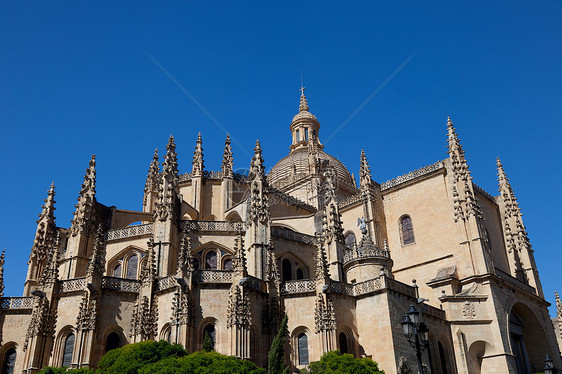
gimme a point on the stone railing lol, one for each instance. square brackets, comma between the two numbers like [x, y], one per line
[213, 276]
[298, 286]
[25, 302]
[369, 286]
[359, 253]
[350, 200]
[400, 287]
[432, 311]
[72, 285]
[212, 226]
[166, 283]
[129, 232]
[120, 284]
[341, 288]
[412, 175]
[277, 196]
[283, 233]
[213, 175]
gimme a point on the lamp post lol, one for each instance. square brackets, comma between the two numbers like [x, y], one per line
[416, 332]
[548, 366]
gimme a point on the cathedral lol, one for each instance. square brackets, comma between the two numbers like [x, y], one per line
[228, 254]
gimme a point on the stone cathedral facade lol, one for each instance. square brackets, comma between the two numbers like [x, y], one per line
[228, 254]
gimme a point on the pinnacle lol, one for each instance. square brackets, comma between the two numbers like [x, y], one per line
[227, 141]
[155, 154]
[257, 147]
[303, 105]
[199, 137]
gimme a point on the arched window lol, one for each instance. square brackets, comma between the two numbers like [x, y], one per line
[227, 264]
[350, 240]
[407, 230]
[132, 266]
[303, 349]
[210, 330]
[300, 273]
[113, 341]
[287, 271]
[68, 348]
[9, 361]
[306, 133]
[298, 136]
[211, 260]
[442, 358]
[117, 271]
[343, 343]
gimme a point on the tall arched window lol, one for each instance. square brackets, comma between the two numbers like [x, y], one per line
[287, 271]
[9, 361]
[211, 260]
[407, 230]
[227, 264]
[210, 330]
[303, 349]
[132, 266]
[113, 341]
[117, 271]
[343, 343]
[68, 348]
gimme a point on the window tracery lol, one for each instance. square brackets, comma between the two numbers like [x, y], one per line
[407, 230]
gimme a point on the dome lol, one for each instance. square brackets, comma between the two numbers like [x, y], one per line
[297, 163]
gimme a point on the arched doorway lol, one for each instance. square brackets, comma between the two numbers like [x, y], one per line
[113, 341]
[9, 361]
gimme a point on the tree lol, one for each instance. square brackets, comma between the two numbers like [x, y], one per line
[208, 345]
[337, 363]
[276, 356]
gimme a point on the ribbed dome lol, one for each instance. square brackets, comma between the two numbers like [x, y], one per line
[296, 163]
[304, 115]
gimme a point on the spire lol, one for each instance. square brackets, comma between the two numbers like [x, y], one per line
[149, 268]
[185, 256]
[46, 228]
[303, 105]
[558, 303]
[239, 259]
[257, 168]
[227, 160]
[165, 207]
[96, 266]
[364, 171]
[197, 162]
[506, 192]
[321, 272]
[272, 270]
[2, 260]
[51, 273]
[83, 216]
[153, 176]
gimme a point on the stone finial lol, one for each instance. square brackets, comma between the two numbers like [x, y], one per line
[170, 164]
[257, 168]
[303, 105]
[364, 171]
[227, 159]
[149, 268]
[51, 273]
[185, 256]
[321, 272]
[83, 216]
[558, 302]
[153, 176]
[506, 192]
[166, 203]
[96, 266]
[197, 162]
[46, 228]
[239, 258]
[2, 261]
[272, 270]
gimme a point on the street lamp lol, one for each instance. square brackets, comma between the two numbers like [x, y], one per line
[548, 366]
[416, 332]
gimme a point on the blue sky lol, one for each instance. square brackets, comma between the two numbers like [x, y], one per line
[78, 78]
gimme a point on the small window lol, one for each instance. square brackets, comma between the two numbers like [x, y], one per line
[350, 240]
[343, 342]
[112, 342]
[300, 274]
[210, 329]
[132, 266]
[227, 264]
[9, 361]
[68, 348]
[303, 349]
[117, 271]
[211, 260]
[306, 134]
[407, 230]
[298, 136]
[287, 270]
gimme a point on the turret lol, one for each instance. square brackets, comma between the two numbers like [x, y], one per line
[304, 127]
[519, 252]
[44, 238]
[151, 185]
[197, 176]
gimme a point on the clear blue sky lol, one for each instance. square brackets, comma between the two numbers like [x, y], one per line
[80, 77]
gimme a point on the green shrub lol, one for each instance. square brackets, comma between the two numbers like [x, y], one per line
[63, 370]
[337, 363]
[207, 342]
[202, 363]
[130, 358]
